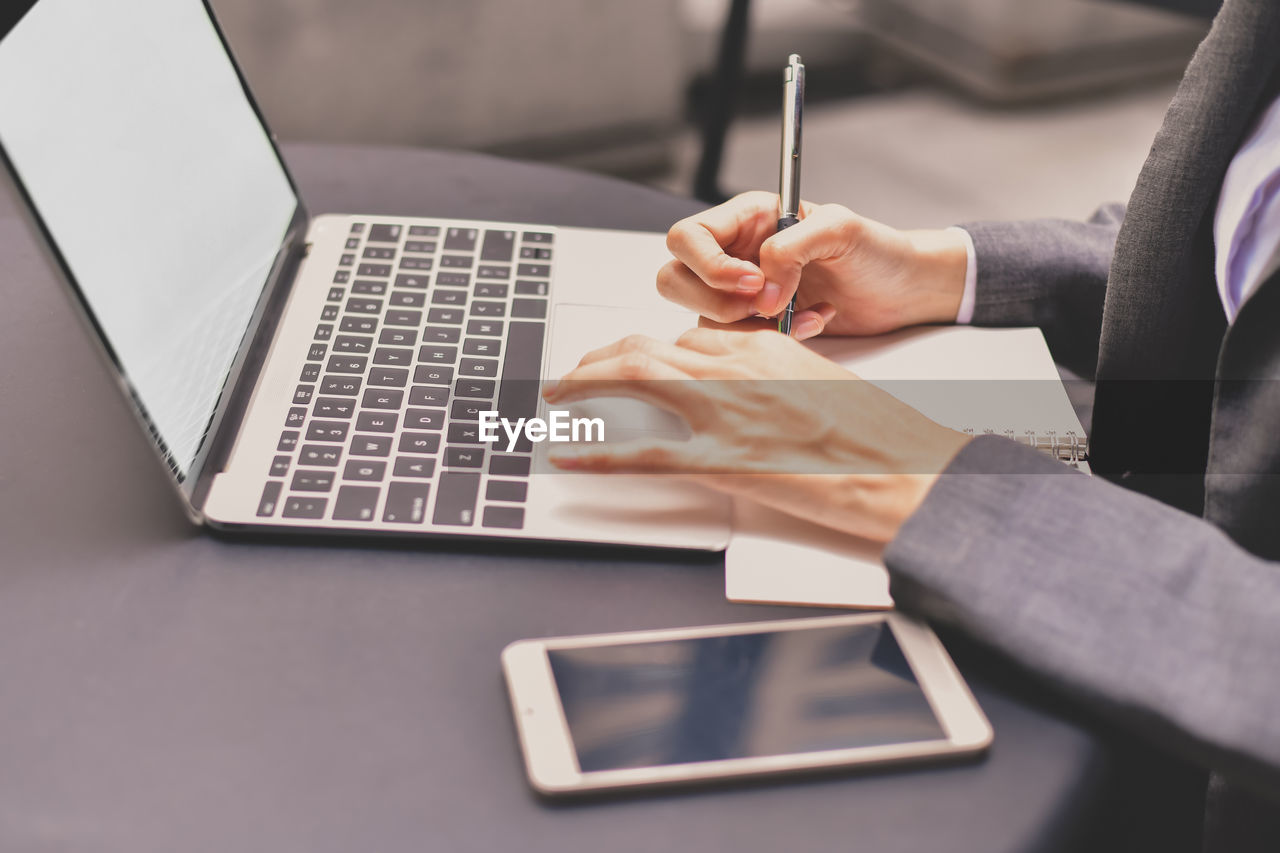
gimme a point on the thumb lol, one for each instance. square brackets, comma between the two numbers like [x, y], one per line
[826, 232]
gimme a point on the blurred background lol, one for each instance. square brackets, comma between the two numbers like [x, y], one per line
[920, 112]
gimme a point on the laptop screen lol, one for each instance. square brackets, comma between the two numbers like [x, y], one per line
[129, 129]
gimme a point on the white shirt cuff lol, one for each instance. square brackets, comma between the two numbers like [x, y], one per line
[965, 315]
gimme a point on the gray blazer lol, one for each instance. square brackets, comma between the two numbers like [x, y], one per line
[1162, 614]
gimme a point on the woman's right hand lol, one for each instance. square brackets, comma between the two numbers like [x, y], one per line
[851, 275]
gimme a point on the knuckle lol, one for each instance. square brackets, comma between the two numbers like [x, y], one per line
[635, 365]
[678, 235]
[635, 343]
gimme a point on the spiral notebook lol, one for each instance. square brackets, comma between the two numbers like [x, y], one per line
[980, 380]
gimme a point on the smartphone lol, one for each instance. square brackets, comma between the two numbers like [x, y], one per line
[616, 711]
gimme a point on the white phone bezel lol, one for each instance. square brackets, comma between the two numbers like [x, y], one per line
[551, 759]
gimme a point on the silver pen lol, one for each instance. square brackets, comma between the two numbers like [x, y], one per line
[789, 178]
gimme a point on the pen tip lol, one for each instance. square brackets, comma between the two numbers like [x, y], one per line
[794, 59]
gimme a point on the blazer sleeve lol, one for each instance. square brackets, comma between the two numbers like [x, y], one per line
[1050, 273]
[1152, 616]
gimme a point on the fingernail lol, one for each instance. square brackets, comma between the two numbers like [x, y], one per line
[750, 283]
[767, 301]
[807, 328]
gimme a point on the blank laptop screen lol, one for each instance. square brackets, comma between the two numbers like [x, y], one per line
[128, 126]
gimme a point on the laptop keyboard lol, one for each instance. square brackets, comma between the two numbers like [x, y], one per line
[424, 327]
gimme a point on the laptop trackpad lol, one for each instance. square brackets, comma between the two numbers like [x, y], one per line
[578, 329]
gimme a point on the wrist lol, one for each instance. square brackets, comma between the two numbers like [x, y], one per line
[940, 263]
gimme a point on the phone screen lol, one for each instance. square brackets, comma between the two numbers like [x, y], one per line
[740, 696]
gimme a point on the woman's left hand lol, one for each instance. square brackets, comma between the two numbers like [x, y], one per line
[771, 420]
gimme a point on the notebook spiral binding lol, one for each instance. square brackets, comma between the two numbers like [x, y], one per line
[1068, 447]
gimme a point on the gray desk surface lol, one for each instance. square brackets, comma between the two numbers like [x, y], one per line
[165, 690]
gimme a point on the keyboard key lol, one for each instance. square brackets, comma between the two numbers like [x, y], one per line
[424, 231]
[489, 290]
[371, 445]
[370, 288]
[330, 312]
[489, 328]
[493, 271]
[468, 410]
[437, 354]
[341, 386]
[323, 455]
[377, 421]
[270, 497]
[449, 297]
[296, 418]
[380, 270]
[355, 503]
[411, 263]
[353, 242]
[460, 239]
[362, 325]
[334, 407]
[367, 470]
[379, 253]
[464, 457]
[347, 259]
[457, 262]
[480, 308]
[478, 367]
[280, 466]
[522, 362]
[419, 442]
[531, 288]
[464, 432]
[480, 389]
[336, 294]
[406, 503]
[407, 299]
[440, 335]
[398, 337]
[421, 246]
[302, 394]
[535, 309]
[498, 245]
[327, 431]
[357, 228]
[341, 277]
[507, 517]
[453, 279]
[533, 270]
[352, 343]
[482, 346]
[356, 305]
[456, 498]
[509, 466]
[424, 419]
[410, 466]
[389, 377]
[428, 395]
[380, 398]
[398, 317]
[384, 234]
[297, 506]
[418, 281]
[537, 237]
[288, 441]
[346, 364]
[452, 316]
[316, 352]
[311, 481]
[324, 331]
[535, 253]
[392, 356]
[432, 374]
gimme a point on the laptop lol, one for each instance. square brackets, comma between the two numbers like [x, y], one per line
[315, 374]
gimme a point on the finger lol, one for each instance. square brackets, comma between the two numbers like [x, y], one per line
[665, 354]
[635, 375]
[750, 324]
[717, 243]
[654, 456]
[811, 322]
[678, 283]
[826, 232]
